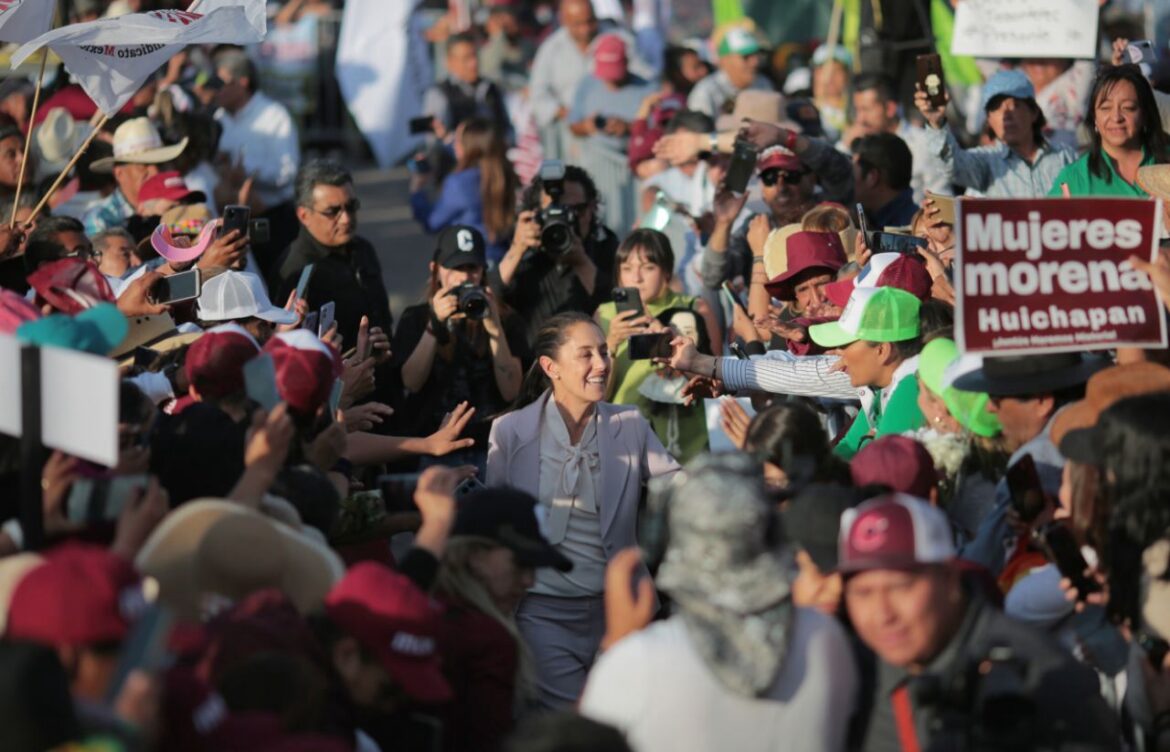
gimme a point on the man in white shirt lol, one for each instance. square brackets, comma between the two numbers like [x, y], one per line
[738, 666]
[259, 135]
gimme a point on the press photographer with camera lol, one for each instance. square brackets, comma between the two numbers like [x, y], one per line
[459, 345]
[560, 249]
[953, 672]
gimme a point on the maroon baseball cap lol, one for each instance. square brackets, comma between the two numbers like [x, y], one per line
[895, 531]
[170, 186]
[397, 622]
[305, 369]
[807, 250]
[900, 463]
[609, 58]
[899, 270]
[778, 157]
[70, 285]
[215, 361]
[80, 595]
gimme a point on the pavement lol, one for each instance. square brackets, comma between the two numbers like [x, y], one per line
[385, 220]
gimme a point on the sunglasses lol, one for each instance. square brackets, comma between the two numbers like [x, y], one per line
[332, 212]
[774, 176]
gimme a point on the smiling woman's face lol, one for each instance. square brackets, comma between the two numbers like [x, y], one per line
[581, 367]
[1119, 117]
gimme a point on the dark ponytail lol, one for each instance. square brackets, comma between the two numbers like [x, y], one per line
[549, 340]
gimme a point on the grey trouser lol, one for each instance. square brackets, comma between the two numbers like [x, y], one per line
[564, 635]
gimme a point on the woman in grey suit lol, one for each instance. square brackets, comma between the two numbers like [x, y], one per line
[586, 461]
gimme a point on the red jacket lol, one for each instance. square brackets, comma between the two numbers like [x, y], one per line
[480, 659]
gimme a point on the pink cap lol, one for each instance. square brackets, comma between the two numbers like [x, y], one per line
[609, 58]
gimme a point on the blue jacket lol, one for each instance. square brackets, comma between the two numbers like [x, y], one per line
[459, 203]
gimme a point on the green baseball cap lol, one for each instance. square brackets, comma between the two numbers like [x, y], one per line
[968, 408]
[739, 41]
[873, 314]
[96, 330]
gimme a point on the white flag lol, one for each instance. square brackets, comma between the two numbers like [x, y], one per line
[22, 20]
[383, 70]
[112, 57]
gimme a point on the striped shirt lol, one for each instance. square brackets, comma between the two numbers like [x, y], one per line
[780, 372]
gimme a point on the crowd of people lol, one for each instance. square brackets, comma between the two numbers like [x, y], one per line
[669, 454]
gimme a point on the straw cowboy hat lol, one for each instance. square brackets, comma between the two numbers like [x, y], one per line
[57, 138]
[137, 142]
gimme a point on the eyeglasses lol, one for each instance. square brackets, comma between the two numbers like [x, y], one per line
[774, 176]
[332, 212]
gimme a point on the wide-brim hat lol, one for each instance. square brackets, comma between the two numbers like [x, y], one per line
[57, 138]
[156, 331]
[753, 104]
[776, 250]
[137, 142]
[1021, 375]
[1155, 180]
[1074, 428]
[507, 516]
[223, 549]
[171, 247]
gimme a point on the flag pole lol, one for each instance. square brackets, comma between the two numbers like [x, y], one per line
[61, 178]
[28, 137]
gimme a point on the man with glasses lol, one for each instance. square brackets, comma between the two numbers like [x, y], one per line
[345, 266]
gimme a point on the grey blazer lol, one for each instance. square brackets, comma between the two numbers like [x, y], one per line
[629, 452]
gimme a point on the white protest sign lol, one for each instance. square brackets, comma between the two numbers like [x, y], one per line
[1028, 28]
[112, 57]
[79, 401]
[717, 438]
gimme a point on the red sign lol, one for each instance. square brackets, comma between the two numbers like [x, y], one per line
[1050, 275]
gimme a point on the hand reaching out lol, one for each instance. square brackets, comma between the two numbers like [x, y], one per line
[628, 609]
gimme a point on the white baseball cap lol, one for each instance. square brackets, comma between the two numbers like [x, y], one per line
[239, 295]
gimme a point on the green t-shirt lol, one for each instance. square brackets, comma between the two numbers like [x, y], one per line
[1082, 182]
[901, 414]
[689, 430]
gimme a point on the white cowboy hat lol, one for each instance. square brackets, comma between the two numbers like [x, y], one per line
[57, 138]
[137, 141]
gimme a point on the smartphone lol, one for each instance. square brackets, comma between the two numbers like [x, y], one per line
[145, 648]
[1139, 51]
[930, 78]
[468, 485]
[326, 320]
[398, 491]
[260, 230]
[742, 166]
[1027, 495]
[649, 346]
[1061, 548]
[892, 242]
[732, 298]
[627, 299]
[863, 225]
[99, 499]
[310, 321]
[303, 282]
[335, 397]
[260, 381]
[420, 125]
[738, 351]
[146, 357]
[236, 217]
[177, 287]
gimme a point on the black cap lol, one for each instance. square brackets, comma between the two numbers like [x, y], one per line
[1039, 373]
[812, 520]
[460, 245]
[508, 517]
[804, 113]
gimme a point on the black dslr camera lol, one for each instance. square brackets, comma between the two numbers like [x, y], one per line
[473, 302]
[557, 222]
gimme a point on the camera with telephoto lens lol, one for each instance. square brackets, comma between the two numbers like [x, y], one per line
[983, 706]
[472, 301]
[557, 222]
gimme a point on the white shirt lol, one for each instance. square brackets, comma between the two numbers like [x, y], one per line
[655, 688]
[263, 136]
[560, 65]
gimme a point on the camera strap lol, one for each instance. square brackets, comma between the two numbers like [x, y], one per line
[904, 719]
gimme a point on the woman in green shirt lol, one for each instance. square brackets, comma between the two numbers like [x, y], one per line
[644, 261]
[1125, 133]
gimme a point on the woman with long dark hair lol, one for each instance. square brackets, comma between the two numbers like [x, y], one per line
[460, 345]
[585, 461]
[481, 192]
[1125, 133]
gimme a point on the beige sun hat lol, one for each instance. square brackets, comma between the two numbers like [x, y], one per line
[137, 142]
[209, 551]
[776, 250]
[1155, 180]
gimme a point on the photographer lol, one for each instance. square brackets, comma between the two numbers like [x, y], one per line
[559, 251]
[458, 346]
[953, 672]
